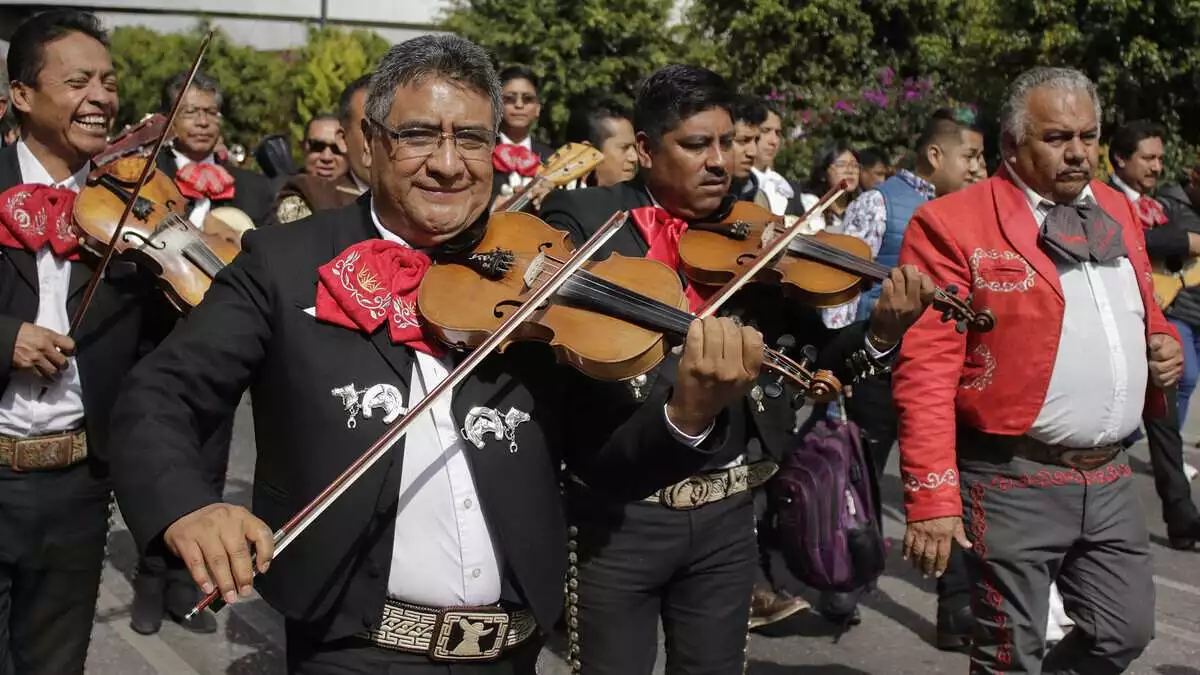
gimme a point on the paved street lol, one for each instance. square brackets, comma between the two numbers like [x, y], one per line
[895, 637]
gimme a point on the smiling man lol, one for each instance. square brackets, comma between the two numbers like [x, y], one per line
[450, 555]
[204, 179]
[56, 391]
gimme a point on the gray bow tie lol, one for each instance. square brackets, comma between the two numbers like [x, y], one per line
[1078, 233]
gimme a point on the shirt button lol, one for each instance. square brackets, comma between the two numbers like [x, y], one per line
[476, 574]
[467, 503]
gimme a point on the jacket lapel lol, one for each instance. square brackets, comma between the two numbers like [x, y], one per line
[1021, 230]
[10, 176]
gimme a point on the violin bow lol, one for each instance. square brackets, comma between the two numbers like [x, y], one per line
[770, 253]
[293, 528]
[105, 259]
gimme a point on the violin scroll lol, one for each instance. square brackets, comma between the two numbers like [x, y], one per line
[959, 310]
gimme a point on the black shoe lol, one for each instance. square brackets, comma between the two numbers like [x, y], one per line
[1184, 538]
[840, 609]
[149, 591]
[181, 597]
[954, 629]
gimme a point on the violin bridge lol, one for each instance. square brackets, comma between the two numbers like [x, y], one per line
[534, 271]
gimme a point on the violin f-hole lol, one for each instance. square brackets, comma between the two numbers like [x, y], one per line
[135, 237]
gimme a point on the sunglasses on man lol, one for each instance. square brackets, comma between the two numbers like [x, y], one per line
[317, 147]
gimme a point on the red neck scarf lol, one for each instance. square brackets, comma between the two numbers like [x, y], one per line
[205, 181]
[507, 158]
[662, 231]
[34, 216]
[1150, 212]
[372, 282]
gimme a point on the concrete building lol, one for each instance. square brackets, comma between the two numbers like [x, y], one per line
[264, 24]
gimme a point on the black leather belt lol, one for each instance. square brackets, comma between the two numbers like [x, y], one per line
[978, 443]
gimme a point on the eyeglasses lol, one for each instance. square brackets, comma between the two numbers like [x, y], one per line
[192, 112]
[471, 144]
[317, 147]
[846, 166]
[512, 98]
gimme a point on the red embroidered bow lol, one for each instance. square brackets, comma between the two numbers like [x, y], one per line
[1151, 212]
[662, 231]
[32, 216]
[375, 281]
[205, 181]
[507, 158]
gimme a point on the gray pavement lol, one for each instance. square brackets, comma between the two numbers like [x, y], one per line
[895, 636]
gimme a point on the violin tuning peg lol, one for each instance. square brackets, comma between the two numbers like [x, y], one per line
[947, 315]
[808, 354]
[952, 289]
[773, 390]
[960, 326]
[785, 342]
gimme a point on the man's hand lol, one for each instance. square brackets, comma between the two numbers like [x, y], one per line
[902, 300]
[212, 542]
[927, 543]
[42, 350]
[1166, 360]
[720, 363]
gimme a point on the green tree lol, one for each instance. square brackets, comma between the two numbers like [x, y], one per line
[584, 51]
[330, 60]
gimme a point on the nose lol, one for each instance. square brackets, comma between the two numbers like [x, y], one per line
[1075, 151]
[716, 157]
[445, 162]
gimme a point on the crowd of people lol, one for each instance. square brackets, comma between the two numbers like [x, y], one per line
[535, 498]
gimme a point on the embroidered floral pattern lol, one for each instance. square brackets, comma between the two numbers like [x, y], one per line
[983, 267]
[1049, 478]
[980, 381]
[347, 273]
[932, 481]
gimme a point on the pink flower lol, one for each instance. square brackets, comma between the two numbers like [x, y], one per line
[887, 76]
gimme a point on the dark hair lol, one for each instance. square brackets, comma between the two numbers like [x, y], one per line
[202, 82]
[519, 73]
[818, 181]
[1127, 137]
[587, 124]
[348, 93]
[773, 109]
[869, 157]
[319, 117]
[675, 93]
[26, 50]
[749, 110]
[942, 125]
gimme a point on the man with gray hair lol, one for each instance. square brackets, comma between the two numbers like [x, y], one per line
[449, 556]
[1010, 441]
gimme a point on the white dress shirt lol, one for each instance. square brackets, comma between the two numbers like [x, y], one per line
[203, 205]
[777, 189]
[24, 410]
[516, 180]
[1132, 194]
[443, 554]
[1098, 386]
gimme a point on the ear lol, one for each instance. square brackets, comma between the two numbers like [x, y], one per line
[643, 150]
[368, 138]
[22, 96]
[3, 105]
[934, 156]
[1008, 148]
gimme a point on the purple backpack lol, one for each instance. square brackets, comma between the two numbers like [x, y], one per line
[827, 521]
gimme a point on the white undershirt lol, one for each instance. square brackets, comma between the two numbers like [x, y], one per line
[24, 410]
[202, 206]
[1132, 194]
[777, 189]
[1098, 385]
[443, 554]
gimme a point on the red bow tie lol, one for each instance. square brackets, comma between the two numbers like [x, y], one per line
[375, 281]
[32, 216]
[662, 231]
[1151, 212]
[205, 181]
[507, 158]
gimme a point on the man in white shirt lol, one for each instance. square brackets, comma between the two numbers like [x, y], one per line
[450, 555]
[1010, 441]
[56, 390]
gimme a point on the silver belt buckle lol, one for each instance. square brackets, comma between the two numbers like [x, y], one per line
[469, 634]
[689, 494]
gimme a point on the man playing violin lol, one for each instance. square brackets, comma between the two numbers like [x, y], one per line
[448, 556]
[326, 139]
[646, 546]
[57, 390]
[205, 180]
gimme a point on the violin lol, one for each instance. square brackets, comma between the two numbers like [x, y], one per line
[614, 320]
[571, 162]
[157, 232]
[823, 269]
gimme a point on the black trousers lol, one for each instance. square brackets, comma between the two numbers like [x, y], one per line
[873, 410]
[1166, 459]
[53, 530]
[353, 656]
[641, 562]
[182, 593]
